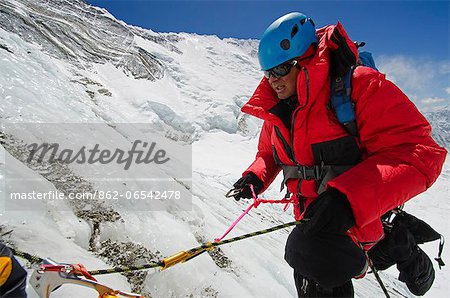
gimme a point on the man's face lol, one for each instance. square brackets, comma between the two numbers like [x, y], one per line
[285, 86]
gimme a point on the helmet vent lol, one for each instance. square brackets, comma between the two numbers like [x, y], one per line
[285, 44]
[302, 21]
[294, 30]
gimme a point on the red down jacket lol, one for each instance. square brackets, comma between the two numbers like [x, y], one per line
[399, 157]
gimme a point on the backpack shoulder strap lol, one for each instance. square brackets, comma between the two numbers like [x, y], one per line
[342, 68]
[342, 103]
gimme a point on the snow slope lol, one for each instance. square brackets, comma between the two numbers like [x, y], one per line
[191, 92]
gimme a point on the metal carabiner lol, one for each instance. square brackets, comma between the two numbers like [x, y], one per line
[232, 192]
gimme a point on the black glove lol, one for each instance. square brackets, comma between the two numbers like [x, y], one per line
[243, 184]
[330, 212]
[417, 272]
[400, 247]
[396, 247]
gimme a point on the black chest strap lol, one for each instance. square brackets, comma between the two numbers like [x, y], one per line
[320, 173]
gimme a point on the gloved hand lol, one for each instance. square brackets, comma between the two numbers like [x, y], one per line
[396, 247]
[417, 272]
[243, 184]
[400, 247]
[330, 211]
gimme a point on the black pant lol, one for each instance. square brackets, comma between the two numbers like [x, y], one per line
[330, 260]
[309, 289]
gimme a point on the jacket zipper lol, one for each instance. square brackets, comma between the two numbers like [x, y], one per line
[287, 148]
[301, 199]
[298, 108]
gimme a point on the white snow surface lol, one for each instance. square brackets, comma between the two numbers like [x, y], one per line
[197, 101]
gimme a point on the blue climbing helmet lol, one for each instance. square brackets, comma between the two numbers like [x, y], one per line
[286, 38]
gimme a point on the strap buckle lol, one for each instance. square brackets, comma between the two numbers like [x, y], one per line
[310, 172]
[339, 85]
[67, 268]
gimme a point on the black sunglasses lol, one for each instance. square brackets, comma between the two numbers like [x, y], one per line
[280, 70]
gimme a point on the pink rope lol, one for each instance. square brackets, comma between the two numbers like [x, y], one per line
[255, 204]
